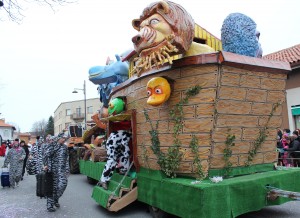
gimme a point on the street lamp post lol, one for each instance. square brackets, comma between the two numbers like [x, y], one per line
[84, 93]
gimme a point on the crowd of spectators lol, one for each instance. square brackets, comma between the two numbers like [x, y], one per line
[288, 145]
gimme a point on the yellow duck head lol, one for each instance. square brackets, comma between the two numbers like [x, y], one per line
[158, 91]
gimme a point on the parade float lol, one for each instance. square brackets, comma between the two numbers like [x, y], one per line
[203, 116]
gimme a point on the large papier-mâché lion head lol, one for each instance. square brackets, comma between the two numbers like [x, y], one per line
[165, 29]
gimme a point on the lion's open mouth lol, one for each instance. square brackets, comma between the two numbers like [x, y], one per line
[154, 47]
[155, 56]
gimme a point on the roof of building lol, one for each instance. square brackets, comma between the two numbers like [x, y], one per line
[3, 124]
[291, 55]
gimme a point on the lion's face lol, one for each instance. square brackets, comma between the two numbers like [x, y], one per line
[165, 29]
[153, 32]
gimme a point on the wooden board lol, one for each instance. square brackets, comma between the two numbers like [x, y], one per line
[124, 201]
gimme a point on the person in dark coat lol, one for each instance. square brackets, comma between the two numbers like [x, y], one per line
[56, 160]
[25, 147]
[294, 150]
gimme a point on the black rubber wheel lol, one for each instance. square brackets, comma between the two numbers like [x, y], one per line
[74, 161]
[91, 181]
[157, 213]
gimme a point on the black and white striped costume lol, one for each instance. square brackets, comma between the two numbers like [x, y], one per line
[56, 158]
[117, 150]
[37, 156]
[15, 159]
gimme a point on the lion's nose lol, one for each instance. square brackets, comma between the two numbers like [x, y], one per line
[136, 39]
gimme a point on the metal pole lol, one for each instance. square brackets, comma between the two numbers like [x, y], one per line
[84, 92]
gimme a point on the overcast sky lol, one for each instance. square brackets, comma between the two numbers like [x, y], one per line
[49, 54]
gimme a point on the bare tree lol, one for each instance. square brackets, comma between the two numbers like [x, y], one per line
[39, 128]
[14, 8]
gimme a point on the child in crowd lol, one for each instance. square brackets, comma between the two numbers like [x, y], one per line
[285, 145]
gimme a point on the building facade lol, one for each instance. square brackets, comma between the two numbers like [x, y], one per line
[291, 113]
[72, 113]
[26, 137]
[6, 130]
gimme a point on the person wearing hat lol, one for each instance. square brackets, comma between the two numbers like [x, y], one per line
[56, 160]
[14, 159]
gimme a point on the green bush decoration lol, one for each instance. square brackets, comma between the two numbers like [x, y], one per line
[228, 153]
[169, 162]
[194, 145]
[145, 156]
[261, 137]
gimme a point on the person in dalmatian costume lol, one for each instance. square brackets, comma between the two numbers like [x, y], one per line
[118, 151]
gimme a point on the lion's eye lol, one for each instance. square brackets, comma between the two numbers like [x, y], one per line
[154, 21]
[149, 93]
[158, 91]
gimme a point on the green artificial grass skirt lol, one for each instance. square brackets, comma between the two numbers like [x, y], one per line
[230, 198]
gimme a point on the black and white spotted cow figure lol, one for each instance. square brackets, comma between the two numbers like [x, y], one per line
[117, 149]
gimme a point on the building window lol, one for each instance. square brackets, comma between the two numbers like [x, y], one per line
[68, 112]
[90, 110]
[6, 133]
[78, 111]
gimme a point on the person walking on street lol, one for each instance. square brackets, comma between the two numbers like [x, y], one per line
[25, 147]
[56, 160]
[15, 159]
[37, 155]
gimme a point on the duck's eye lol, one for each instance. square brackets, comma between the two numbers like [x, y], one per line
[158, 91]
[149, 92]
[154, 21]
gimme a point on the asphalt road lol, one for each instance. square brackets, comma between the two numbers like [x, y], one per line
[76, 202]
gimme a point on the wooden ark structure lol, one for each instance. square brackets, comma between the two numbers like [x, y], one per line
[234, 118]
[240, 96]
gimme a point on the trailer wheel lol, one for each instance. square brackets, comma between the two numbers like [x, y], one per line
[74, 161]
[157, 213]
[91, 181]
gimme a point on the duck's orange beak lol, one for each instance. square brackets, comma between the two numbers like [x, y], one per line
[158, 90]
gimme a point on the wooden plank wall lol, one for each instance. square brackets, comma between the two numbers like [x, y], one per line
[231, 98]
